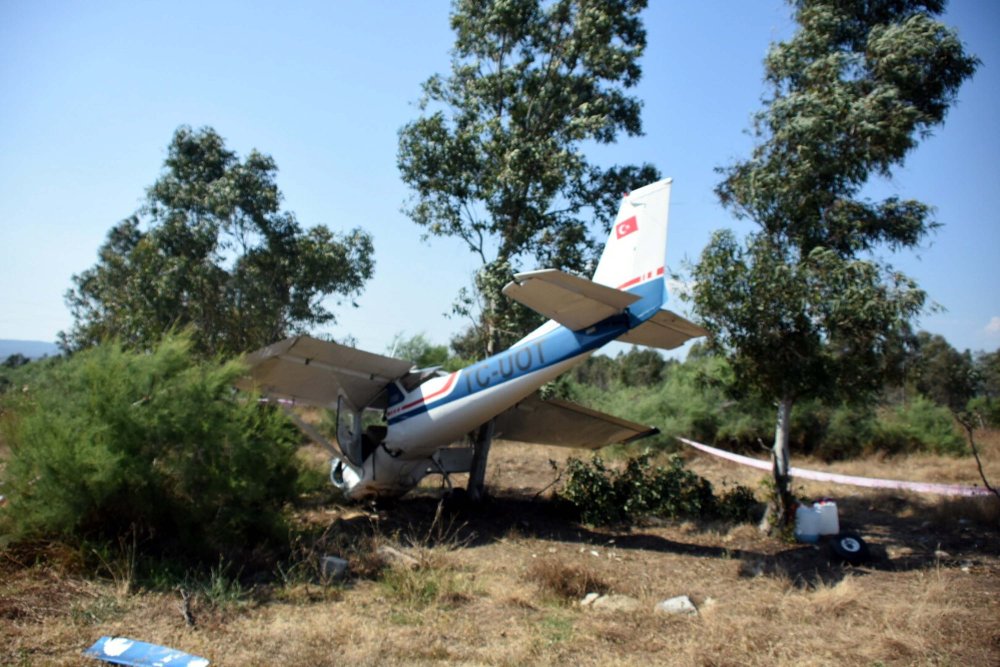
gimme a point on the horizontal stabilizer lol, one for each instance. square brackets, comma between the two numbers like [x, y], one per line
[317, 372]
[665, 330]
[576, 303]
[558, 422]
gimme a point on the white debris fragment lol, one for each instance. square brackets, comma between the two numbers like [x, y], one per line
[588, 599]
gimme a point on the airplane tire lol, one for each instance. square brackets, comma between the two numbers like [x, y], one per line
[849, 548]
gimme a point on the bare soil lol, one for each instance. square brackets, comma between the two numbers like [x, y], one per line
[482, 587]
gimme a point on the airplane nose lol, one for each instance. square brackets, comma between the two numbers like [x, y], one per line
[343, 475]
[337, 474]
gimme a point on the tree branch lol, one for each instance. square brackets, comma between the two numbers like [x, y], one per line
[966, 420]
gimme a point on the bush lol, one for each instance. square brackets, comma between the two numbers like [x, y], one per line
[605, 497]
[986, 410]
[917, 426]
[112, 443]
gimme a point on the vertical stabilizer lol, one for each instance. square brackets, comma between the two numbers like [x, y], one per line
[636, 252]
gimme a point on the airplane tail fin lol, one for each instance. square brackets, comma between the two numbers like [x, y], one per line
[629, 277]
[634, 258]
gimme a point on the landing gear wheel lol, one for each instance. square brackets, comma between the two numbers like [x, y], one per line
[849, 548]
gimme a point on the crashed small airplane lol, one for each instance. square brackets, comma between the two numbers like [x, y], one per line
[434, 422]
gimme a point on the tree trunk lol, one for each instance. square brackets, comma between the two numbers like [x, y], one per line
[491, 326]
[779, 512]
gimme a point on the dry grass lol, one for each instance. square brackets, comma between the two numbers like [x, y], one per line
[490, 588]
[566, 581]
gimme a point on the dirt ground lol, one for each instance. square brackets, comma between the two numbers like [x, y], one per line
[489, 587]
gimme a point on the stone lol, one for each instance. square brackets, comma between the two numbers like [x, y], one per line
[588, 599]
[680, 605]
[615, 602]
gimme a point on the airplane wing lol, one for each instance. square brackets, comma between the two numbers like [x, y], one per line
[576, 303]
[566, 424]
[665, 330]
[317, 372]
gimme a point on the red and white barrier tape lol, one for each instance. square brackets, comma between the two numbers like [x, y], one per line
[871, 482]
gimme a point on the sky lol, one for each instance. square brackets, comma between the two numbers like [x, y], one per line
[91, 94]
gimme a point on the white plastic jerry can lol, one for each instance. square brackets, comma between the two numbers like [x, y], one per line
[829, 522]
[817, 519]
[806, 524]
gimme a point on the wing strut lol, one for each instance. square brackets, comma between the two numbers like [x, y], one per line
[477, 471]
[310, 430]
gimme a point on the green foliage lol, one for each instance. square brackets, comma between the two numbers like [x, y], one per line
[737, 504]
[985, 411]
[803, 326]
[845, 432]
[418, 350]
[919, 425]
[802, 306]
[641, 367]
[700, 399]
[426, 584]
[211, 248]
[497, 158]
[15, 360]
[985, 407]
[606, 497]
[111, 443]
[942, 373]
[694, 400]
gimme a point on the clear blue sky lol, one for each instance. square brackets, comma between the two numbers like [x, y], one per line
[92, 93]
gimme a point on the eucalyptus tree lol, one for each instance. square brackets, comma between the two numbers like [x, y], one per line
[942, 373]
[497, 157]
[803, 305]
[211, 249]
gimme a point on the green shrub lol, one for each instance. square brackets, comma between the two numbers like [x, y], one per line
[591, 490]
[986, 409]
[111, 443]
[917, 426]
[606, 497]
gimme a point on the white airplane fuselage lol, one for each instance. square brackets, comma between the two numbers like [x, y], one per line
[627, 293]
[445, 409]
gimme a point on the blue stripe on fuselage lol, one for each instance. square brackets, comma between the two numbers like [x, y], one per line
[543, 351]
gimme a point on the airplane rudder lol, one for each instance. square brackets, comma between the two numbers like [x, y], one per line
[635, 252]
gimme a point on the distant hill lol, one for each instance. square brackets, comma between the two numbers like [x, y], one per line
[33, 349]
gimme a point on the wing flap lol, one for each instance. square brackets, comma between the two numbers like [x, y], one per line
[665, 330]
[565, 424]
[316, 372]
[574, 302]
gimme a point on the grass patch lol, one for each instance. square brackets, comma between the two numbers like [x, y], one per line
[556, 628]
[565, 581]
[425, 585]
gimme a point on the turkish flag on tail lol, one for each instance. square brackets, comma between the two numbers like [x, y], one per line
[626, 227]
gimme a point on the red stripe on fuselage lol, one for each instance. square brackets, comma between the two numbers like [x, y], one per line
[424, 399]
[638, 279]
